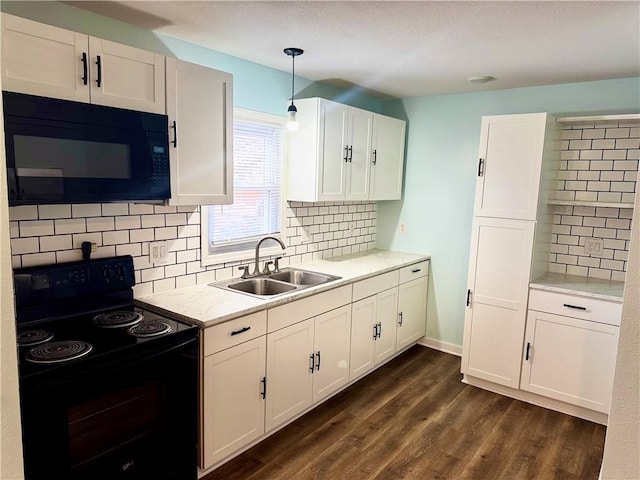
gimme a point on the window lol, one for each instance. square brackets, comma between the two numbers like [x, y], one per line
[230, 232]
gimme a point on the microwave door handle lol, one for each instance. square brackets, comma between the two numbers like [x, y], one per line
[99, 64]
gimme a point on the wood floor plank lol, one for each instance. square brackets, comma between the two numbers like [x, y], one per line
[414, 419]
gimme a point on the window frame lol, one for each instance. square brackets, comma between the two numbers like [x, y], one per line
[206, 258]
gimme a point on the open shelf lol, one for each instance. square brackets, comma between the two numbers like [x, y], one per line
[579, 203]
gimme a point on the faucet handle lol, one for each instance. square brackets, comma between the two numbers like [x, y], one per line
[266, 270]
[245, 271]
[276, 268]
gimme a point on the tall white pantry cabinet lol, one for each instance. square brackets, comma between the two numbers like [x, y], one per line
[516, 165]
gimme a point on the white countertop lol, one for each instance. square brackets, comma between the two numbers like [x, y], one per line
[576, 285]
[205, 305]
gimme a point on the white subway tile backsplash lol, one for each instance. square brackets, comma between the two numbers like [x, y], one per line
[611, 176]
[36, 228]
[128, 222]
[86, 210]
[38, 259]
[114, 209]
[617, 132]
[127, 229]
[56, 242]
[72, 225]
[100, 224]
[23, 212]
[54, 211]
[25, 245]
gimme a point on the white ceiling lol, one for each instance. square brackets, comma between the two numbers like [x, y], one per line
[405, 49]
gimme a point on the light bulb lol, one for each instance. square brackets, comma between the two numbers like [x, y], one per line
[292, 123]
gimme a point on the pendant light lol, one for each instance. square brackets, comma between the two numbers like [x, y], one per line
[292, 123]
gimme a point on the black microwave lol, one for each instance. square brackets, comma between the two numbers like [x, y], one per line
[59, 151]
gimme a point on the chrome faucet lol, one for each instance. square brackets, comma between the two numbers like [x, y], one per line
[256, 268]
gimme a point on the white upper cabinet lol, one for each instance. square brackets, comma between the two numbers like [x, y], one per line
[200, 139]
[388, 158]
[126, 77]
[510, 165]
[48, 61]
[331, 157]
[43, 60]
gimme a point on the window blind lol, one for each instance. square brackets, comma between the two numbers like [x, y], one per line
[256, 209]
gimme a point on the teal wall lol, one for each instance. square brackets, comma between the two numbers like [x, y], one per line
[441, 161]
[442, 142]
[255, 86]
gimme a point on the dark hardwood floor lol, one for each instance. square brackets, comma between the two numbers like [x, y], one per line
[414, 419]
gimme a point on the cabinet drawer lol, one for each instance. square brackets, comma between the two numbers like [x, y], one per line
[416, 270]
[586, 308]
[373, 285]
[294, 312]
[234, 332]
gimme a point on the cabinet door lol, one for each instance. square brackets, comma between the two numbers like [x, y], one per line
[511, 148]
[359, 165]
[332, 340]
[387, 315]
[570, 360]
[412, 315]
[42, 60]
[233, 405]
[499, 266]
[333, 167]
[363, 336]
[201, 148]
[387, 149]
[126, 77]
[290, 365]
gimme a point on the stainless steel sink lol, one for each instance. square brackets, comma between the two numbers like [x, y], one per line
[302, 277]
[269, 285]
[261, 286]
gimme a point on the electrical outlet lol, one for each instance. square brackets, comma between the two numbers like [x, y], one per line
[158, 252]
[402, 227]
[352, 227]
[594, 247]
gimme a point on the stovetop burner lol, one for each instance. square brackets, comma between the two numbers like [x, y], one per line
[56, 352]
[149, 329]
[117, 319]
[28, 338]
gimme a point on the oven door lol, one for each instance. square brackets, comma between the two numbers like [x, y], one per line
[132, 420]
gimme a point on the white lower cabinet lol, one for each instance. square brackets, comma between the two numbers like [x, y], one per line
[234, 404]
[373, 331]
[262, 370]
[412, 312]
[290, 361]
[233, 386]
[306, 362]
[571, 359]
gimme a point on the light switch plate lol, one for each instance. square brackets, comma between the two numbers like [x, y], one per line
[158, 252]
[594, 247]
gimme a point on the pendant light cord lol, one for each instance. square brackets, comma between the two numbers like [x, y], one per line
[293, 74]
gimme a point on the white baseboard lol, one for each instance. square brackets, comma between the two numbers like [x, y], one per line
[441, 346]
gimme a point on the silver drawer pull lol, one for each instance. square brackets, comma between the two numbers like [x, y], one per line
[242, 330]
[576, 307]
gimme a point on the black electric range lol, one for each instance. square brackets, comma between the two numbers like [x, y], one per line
[104, 384]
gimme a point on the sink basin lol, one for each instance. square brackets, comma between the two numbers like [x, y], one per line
[267, 286]
[302, 277]
[261, 286]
